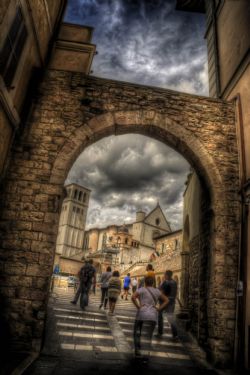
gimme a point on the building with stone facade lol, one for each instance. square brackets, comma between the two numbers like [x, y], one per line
[27, 30]
[167, 255]
[122, 246]
[228, 45]
[69, 243]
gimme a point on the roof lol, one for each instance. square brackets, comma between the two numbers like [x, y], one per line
[76, 185]
[168, 234]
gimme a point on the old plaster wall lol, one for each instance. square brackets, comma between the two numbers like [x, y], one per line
[70, 112]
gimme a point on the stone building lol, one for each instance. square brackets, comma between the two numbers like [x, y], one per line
[27, 30]
[127, 244]
[166, 256]
[69, 243]
[228, 44]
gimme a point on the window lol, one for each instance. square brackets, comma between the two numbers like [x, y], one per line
[162, 247]
[12, 48]
[80, 196]
[157, 221]
[84, 197]
[126, 241]
[75, 194]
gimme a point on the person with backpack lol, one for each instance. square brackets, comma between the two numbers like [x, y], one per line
[87, 275]
[114, 290]
[104, 287]
[145, 300]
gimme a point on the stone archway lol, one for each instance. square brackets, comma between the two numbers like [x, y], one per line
[73, 111]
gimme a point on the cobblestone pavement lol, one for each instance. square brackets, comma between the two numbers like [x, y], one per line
[92, 342]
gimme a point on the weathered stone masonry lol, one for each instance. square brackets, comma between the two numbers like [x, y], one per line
[70, 112]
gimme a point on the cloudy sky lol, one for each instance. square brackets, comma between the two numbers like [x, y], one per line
[146, 42]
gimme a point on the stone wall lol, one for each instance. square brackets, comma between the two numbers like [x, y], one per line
[71, 111]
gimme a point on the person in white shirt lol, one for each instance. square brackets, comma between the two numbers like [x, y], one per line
[134, 284]
[145, 300]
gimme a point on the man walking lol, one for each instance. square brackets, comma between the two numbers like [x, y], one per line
[126, 285]
[87, 274]
[169, 289]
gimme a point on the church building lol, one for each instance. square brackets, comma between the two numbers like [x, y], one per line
[128, 244]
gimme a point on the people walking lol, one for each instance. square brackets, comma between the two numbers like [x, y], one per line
[134, 284]
[87, 275]
[151, 273]
[114, 290]
[104, 287]
[145, 300]
[169, 289]
[126, 285]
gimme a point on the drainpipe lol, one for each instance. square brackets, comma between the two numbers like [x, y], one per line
[242, 245]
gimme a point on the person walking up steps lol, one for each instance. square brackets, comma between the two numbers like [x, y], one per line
[169, 289]
[145, 300]
[104, 287]
[126, 285]
[114, 290]
[87, 275]
[134, 285]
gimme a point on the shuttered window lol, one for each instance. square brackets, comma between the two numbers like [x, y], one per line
[12, 48]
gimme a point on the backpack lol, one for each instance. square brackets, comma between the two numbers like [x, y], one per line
[86, 273]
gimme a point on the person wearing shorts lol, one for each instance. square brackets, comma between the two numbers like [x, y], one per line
[114, 290]
[126, 285]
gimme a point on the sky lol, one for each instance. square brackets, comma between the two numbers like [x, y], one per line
[145, 42]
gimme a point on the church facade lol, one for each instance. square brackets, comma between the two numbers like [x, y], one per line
[123, 246]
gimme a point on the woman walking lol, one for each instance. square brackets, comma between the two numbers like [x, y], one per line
[104, 287]
[114, 289]
[145, 300]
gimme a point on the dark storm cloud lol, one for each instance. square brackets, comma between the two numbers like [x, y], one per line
[127, 173]
[146, 42]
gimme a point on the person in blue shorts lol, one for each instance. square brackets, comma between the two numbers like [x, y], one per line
[126, 285]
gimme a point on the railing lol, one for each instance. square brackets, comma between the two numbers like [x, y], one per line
[138, 263]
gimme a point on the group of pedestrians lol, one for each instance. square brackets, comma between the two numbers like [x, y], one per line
[151, 302]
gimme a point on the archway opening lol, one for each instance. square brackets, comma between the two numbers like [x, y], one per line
[105, 239]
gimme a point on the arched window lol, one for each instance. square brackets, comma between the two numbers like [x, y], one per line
[157, 221]
[80, 196]
[126, 240]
